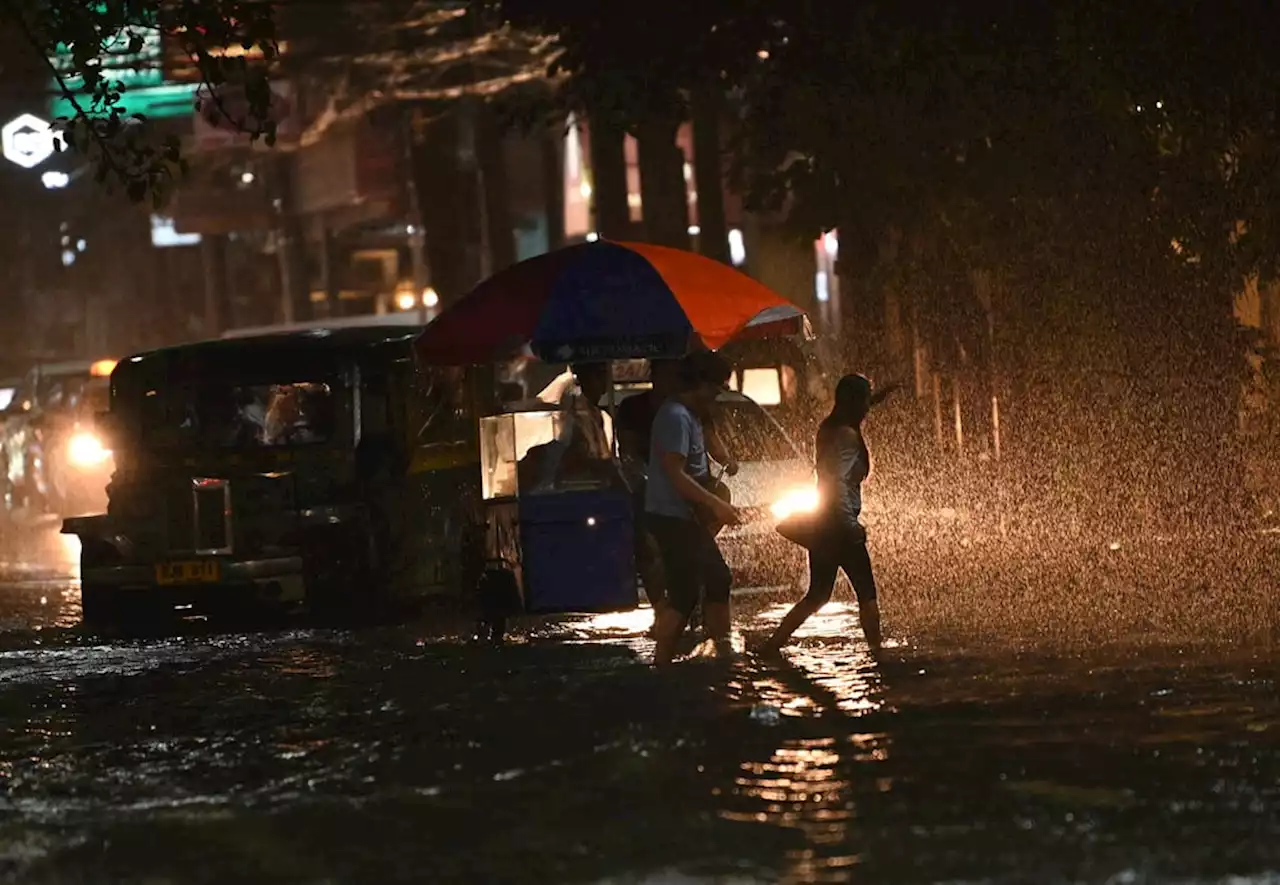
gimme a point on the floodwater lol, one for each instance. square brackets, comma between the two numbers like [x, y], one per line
[1092, 715]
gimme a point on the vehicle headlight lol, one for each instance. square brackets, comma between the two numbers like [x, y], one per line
[800, 500]
[86, 450]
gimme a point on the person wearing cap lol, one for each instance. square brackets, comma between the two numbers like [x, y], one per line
[843, 462]
[675, 497]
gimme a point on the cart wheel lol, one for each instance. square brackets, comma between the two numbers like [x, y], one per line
[499, 597]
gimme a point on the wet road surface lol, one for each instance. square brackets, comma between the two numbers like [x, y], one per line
[1107, 716]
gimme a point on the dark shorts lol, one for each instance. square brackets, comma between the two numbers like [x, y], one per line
[841, 549]
[691, 561]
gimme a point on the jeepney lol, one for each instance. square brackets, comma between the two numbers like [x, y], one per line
[316, 469]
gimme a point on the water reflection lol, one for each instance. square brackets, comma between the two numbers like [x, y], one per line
[372, 755]
[803, 785]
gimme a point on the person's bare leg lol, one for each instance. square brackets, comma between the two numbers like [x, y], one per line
[822, 580]
[800, 612]
[862, 576]
[668, 625]
[869, 618]
[717, 618]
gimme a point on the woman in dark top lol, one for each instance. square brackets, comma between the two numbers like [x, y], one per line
[843, 463]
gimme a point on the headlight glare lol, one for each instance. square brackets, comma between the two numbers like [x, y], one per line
[86, 450]
[799, 500]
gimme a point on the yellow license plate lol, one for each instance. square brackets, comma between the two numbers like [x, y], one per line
[204, 571]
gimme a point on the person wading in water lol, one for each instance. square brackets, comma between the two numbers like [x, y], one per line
[635, 433]
[843, 462]
[678, 507]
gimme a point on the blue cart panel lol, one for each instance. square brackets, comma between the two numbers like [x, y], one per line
[578, 552]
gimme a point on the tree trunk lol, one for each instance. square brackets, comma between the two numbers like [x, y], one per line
[295, 281]
[662, 189]
[609, 179]
[213, 254]
[492, 167]
[713, 236]
[330, 275]
[448, 207]
[553, 186]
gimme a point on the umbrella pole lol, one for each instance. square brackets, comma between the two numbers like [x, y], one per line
[613, 413]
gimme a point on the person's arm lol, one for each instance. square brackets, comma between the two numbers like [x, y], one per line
[884, 393]
[692, 491]
[673, 438]
[718, 450]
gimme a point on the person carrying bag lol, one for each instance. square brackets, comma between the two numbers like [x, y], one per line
[832, 533]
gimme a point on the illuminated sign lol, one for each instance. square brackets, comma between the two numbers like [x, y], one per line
[181, 67]
[140, 74]
[27, 140]
[164, 234]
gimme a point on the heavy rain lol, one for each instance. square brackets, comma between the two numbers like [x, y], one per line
[361, 427]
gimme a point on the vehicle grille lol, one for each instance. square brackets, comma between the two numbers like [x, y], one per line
[211, 500]
[179, 527]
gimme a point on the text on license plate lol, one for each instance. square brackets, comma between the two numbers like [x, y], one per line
[205, 571]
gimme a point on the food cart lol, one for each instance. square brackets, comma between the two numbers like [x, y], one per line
[561, 540]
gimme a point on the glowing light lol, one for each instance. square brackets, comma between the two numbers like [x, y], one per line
[102, 368]
[54, 180]
[763, 385]
[430, 297]
[737, 248]
[694, 230]
[406, 301]
[27, 141]
[86, 450]
[822, 286]
[592, 237]
[591, 521]
[763, 55]
[798, 500]
[584, 188]
[247, 177]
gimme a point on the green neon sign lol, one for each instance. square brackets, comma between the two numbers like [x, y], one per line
[140, 74]
[157, 102]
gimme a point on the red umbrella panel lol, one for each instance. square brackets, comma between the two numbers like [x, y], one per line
[605, 301]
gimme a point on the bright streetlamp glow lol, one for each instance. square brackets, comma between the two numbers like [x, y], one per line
[27, 141]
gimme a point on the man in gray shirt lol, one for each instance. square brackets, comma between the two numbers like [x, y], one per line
[678, 504]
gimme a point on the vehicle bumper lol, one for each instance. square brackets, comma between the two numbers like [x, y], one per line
[261, 580]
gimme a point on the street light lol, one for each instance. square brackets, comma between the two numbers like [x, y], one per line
[27, 141]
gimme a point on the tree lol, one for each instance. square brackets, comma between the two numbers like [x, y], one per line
[645, 69]
[126, 149]
[1123, 184]
[365, 55]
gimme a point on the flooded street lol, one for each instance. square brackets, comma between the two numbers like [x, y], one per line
[1017, 729]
